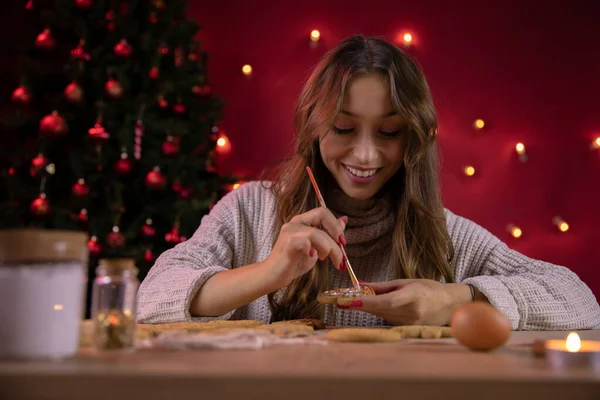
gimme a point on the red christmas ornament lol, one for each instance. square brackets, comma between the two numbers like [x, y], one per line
[78, 53]
[73, 93]
[185, 193]
[193, 57]
[29, 5]
[53, 125]
[110, 15]
[148, 230]
[21, 95]
[37, 164]
[45, 41]
[115, 238]
[153, 74]
[162, 103]
[40, 206]
[173, 236]
[179, 108]
[114, 88]
[83, 216]
[80, 189]
[170, 147]
[152, 18]
[176, 186]
[148, 255]
[97, 133]
[155, 179]
[122, 49]
[163, 49]
[124, 166]
[201, 90]
[84, 4]
[94, 247]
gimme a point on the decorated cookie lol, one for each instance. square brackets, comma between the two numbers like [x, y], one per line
[344, 297]
[364, 335]
[423, 331]
[314, 323]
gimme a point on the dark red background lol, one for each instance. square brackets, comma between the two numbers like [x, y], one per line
[530, 69]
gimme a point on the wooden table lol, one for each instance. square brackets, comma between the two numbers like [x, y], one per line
[413, 369]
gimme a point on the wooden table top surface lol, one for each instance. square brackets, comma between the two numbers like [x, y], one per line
[423, 368]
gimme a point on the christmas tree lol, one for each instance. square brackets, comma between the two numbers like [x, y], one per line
[114, 127]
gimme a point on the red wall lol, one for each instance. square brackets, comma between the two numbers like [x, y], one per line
[531, 72]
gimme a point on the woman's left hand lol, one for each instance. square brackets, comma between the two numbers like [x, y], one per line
[414, 301]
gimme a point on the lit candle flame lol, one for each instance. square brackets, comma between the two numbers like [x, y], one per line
[573, 342]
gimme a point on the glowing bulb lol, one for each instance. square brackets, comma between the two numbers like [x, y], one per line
[515, 231]
[520, 148]
[596, 143]
[479, 124]
[58, 307]
[573, 342]
[221, 142]
[469, 170]
[315, 35]
[562, 225]
[247, 69]
[236, 185]
[407, 38]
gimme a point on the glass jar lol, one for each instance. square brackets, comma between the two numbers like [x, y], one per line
[43, 280]
[113, 310]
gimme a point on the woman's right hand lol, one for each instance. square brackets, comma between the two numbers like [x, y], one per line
[301, 243]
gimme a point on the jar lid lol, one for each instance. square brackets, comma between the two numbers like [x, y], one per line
[116, 266]
[42, 245]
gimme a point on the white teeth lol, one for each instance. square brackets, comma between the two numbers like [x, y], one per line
[362, 174]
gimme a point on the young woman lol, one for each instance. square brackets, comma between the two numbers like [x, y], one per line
[366, 125]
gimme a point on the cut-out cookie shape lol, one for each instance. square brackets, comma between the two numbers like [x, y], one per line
[345, 296]
[364, 335]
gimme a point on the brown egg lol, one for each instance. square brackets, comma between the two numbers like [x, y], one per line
[479, 326]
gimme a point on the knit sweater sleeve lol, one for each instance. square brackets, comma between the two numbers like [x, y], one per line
[532, 294]
[221, 242]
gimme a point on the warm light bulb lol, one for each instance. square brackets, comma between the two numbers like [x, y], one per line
[236, 185]
[58, 307]
[596, 143]
[247, 69]
[221, 142]
[520, 148]
[514, 230]
[469, 170]
[562, 225]
[407, 38]
[573, 342]
[479, 123]
[315, 35]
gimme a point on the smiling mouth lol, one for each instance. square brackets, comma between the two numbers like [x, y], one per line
[361, 173]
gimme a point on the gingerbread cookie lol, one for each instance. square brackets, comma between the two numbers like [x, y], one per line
[314, 323]
[344, 297]
[423, 331]
[153, 330]
[364, 335]
[288, 330]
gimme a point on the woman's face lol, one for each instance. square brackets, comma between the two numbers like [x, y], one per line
[365, 146]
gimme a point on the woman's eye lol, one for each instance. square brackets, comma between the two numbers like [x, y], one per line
[342, 131]
[391, 134]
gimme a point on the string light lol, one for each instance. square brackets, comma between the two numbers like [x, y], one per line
[247, 69]
[407, 38]
[520, 149]
[221, 142]
[315, 35]
[595, 144]
[561, 224]
[236, 185]
[479, 124]
[515, 231]
[469, 170]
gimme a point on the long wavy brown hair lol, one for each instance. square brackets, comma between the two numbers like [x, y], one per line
[421, 243]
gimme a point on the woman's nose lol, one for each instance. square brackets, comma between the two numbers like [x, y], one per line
[365, 149]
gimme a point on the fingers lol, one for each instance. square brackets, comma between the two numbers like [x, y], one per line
[383, 303]
[316, 244]
[388, 286]
[322, 217]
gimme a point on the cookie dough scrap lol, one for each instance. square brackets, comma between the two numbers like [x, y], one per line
[153, 330]
[314, 323]
[344, 296]
[423, 331]
[364, 335]
[288, 330]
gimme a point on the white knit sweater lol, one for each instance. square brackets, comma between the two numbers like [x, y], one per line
[240, 229]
